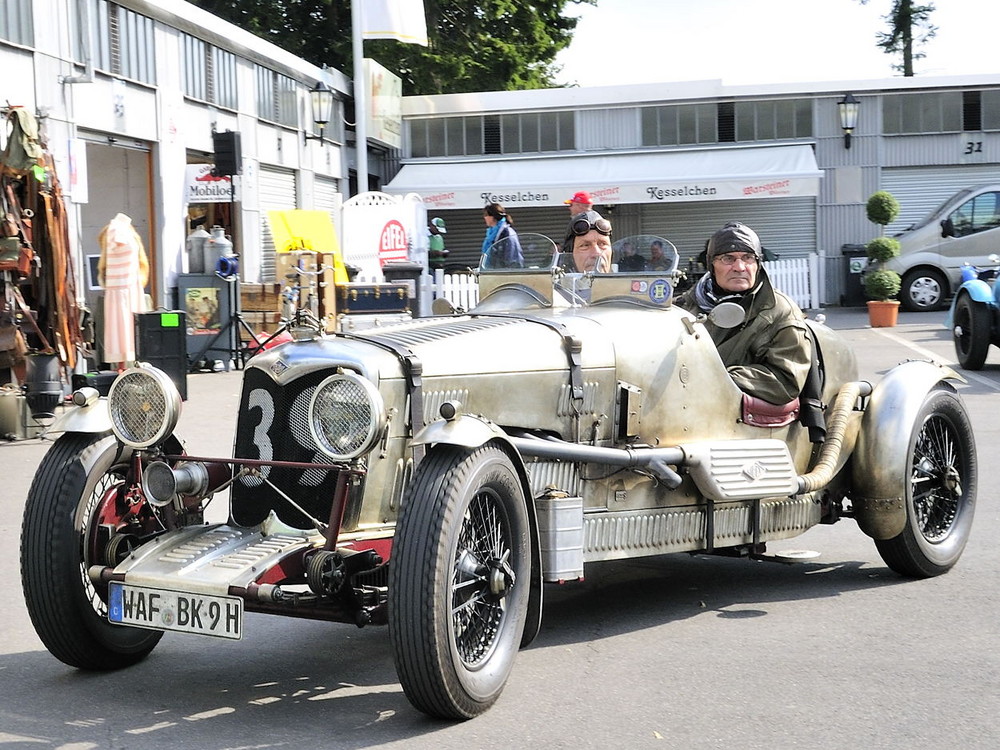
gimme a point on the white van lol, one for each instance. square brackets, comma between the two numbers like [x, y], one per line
[963, 229]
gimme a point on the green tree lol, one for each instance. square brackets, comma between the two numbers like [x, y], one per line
[481, 45]
[909, 27]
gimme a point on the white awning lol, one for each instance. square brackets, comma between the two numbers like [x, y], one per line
[641, 177]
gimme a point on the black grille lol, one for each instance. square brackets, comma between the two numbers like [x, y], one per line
[274, 420]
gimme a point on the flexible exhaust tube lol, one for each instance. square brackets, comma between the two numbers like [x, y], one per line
[655, 460]
[836, 428]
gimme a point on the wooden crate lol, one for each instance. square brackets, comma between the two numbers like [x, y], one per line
[260, 297]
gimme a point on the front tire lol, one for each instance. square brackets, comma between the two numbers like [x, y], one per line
[940, 494]
[923, 290]
[971, 332]
[459, 581]
[70, 498]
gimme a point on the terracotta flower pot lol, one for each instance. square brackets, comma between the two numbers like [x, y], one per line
[883, 313]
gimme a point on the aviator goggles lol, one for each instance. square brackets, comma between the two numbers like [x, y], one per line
[582, 226]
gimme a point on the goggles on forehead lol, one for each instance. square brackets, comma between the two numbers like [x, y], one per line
[582, 226]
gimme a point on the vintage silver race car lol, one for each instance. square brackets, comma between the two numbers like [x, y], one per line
[435, 475]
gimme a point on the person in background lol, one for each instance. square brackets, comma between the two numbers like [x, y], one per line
[436, 254]
[630, 260]
[580, 203]
[658, 260]
[769, 355]
[501, 246]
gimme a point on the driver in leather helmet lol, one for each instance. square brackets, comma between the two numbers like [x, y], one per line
[769, 355]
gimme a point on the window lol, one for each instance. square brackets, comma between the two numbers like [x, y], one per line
[16, 22]
[990, 102]
[777, 119]
[528, 133]
[977, 215]
[928, 112]
[276, 96]
[680, 125]
[209, 72]
[122, 41]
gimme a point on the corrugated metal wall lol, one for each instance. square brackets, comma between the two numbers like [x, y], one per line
[786, 226]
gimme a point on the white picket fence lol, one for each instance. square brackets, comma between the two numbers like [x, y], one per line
[796, 277]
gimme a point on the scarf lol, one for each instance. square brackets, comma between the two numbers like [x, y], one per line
[707, 294]
[491, 234]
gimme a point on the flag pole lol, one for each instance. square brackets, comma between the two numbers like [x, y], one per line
[360, 99]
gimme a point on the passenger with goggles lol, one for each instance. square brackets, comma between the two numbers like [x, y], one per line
[591, 243]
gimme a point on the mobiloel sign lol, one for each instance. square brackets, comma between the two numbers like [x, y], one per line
[201, 186]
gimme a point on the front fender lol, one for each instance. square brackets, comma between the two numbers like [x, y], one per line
[465, 431]
[94, 418]
[879, 468]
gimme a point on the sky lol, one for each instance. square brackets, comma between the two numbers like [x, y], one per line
[746, 42]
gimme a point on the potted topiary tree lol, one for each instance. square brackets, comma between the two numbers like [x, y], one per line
[881, 284]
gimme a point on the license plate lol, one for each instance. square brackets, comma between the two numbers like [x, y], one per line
[220, 616]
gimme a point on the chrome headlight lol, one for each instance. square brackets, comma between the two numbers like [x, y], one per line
[144, 405]
[346, 416]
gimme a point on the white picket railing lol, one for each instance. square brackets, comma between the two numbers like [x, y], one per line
[796, 277]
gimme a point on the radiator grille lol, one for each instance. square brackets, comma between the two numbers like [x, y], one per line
[273, 425]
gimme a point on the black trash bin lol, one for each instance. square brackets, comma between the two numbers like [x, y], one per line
[408, 272]
[855, 260]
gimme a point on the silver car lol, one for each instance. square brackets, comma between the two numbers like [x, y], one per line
[965, 229]
[436, 475]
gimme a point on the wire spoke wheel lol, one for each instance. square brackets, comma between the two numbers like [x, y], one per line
[458, 590]
[940, 492]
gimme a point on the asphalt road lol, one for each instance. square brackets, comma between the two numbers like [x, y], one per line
[672, 652]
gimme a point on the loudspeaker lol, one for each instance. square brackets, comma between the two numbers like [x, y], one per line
[161, 340]
[228, 153]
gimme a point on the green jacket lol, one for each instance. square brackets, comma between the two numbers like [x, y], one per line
[769, 354]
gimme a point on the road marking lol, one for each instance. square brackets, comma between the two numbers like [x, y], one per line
[928, 354]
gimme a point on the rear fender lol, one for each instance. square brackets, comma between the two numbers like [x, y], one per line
[879, 467]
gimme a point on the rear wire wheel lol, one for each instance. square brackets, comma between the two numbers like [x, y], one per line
[71, 498]
[459, 581]
[940, 491]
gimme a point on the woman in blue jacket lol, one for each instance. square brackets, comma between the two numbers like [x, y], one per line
[501, 247]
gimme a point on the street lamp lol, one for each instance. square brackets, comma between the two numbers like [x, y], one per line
[848, 107]
[321, 103]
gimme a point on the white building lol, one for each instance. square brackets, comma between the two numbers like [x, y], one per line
[129, 94]
[681, 159]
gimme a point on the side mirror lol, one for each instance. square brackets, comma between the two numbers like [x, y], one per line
[947, 228]
[727, 315]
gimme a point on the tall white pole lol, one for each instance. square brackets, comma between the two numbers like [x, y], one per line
[360, 99]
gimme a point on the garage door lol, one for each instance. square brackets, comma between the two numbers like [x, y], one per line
[277, 193]
[786, 226]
